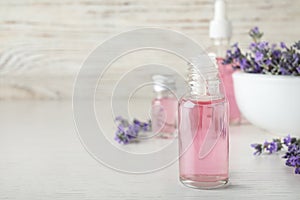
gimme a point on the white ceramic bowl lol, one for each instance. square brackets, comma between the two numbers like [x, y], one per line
[268, 101]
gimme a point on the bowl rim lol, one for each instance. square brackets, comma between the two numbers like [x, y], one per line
[266, 76]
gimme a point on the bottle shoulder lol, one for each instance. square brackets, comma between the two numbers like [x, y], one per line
[203, 100]
[163, 100]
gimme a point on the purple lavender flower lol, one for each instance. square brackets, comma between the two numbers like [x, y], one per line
[121, 139]
[122, 121]
[266, 144]
[146, 127]
[258, 148]
[137, 122]
[292, 154]
[132, 131]
[273, 47]
[276, 54]
[272, 147]
[287, 140]
[268, 62]
[255, 34]
[258, 56]
[283, 45]
[127, 132]
[236, 51]
[297, 170]
[298, 160]
[120, 135]
[264, 58]
[291, 161]
[253, 45]
[244, 63]
[255, 30]
[262, 45]
[143, 125]
[297, 45]
[296, 58]
[284, 71]
[294, 148]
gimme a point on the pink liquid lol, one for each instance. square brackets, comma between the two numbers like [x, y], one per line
[164, 116]
[203, 143]
[226, 72]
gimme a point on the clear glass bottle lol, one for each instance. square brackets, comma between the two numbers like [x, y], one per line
[226, 71]
[164, 106]
[220, 33]
[203, 133]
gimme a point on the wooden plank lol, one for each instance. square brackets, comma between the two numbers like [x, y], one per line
[39, 38]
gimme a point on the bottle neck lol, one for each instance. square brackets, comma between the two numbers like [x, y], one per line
[163, 94]
[219, 47]
[164, 86]
[207, 88]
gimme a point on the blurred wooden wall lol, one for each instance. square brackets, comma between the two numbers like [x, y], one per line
[44, 42]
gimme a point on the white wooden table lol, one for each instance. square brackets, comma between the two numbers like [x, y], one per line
[42, 158]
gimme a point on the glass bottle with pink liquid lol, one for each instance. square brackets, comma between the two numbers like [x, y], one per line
[220, 33]
[203, 129]
[164, 106]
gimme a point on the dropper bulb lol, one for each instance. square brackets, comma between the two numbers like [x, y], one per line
[220, 26]
[220, 10]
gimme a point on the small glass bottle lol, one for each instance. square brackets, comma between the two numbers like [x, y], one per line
[220, 32]
[203, 133]
[164, 106]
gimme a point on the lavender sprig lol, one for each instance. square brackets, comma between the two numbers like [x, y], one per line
[255, 34]
[128, 132]
[292, 155]
[264, 58]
